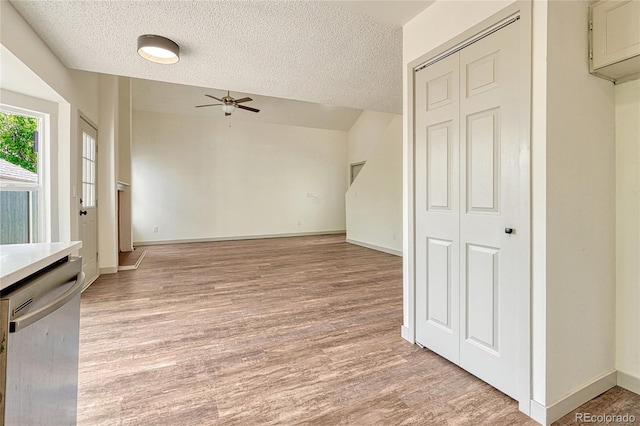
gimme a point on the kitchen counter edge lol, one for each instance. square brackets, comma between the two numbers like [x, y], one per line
[18, 261]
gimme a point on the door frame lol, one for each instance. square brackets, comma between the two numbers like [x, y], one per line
[522, 9]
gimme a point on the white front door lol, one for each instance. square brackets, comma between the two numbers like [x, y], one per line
[88, 202]
[471, 262]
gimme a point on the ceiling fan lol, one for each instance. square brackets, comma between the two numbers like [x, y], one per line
[229, 104]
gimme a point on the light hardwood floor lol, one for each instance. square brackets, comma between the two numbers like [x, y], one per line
[280, 331]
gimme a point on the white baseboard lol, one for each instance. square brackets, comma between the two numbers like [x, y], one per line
[134, 266]
[375, 247]
[406, 334]
[538, 412]
[109, 270]
[629, 382]
[548, 415]
[235, 238]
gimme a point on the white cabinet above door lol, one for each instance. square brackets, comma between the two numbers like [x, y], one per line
[615, 39]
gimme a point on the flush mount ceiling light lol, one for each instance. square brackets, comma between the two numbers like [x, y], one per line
[158, 49]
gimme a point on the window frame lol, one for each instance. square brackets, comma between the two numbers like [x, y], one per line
[42, 187]
[89, 176]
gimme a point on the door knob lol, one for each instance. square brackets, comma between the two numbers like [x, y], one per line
[83, 212]
[509, 231]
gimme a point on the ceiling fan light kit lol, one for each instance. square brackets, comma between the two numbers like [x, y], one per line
[158, 49]
[229, 104]
[228, 108]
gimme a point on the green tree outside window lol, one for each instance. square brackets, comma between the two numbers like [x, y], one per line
[17, 144]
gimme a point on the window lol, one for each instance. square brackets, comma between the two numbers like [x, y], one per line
[88, 171]
[355, 169]
[21, 193]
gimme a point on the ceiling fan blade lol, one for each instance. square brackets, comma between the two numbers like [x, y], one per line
[248, 108]
[227, 114]
[238, 101]
[200, 106]
[213, 97]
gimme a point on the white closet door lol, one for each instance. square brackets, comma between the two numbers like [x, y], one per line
[492, 267]
[437, 208]
[467, 182]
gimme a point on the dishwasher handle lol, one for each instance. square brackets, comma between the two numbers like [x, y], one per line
[22, 322]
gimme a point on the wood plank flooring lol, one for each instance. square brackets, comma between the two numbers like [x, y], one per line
[280, 331]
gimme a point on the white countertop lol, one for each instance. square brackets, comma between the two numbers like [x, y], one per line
[18, 261]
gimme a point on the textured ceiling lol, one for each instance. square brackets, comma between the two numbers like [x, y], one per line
[172, 98]
[333, 53]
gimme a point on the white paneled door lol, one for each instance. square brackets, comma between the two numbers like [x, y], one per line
[470, 260]
[88, 201]
[437, 208]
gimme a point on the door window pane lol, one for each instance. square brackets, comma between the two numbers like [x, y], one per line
[88, 170]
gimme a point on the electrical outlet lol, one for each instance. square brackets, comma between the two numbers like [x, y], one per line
[155, 228]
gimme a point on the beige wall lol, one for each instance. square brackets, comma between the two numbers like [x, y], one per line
[580, 227]
[207, 178]
[374, 199]
[539, 201]
[365, 134]
[125, 228]
[107, 174]
[124, 130]
[628, 234]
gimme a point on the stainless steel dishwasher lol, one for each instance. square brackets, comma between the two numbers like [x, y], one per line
[40, 324]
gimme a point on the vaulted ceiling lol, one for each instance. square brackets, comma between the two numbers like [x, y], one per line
[334, 53]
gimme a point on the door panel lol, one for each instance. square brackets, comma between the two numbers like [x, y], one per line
[483, 169]
[482, 74]
[439, 148]
[482, 296]
[88, 206]
[467, 182]
[491, 266]
[439, 279]
[437, 208]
